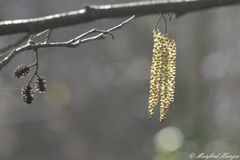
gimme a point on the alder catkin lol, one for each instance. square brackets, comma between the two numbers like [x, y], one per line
[162, 78]
[155, 73]
[172, 71]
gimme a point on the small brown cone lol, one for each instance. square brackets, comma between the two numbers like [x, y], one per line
[40, 84]
[21, 71]
[27, 94]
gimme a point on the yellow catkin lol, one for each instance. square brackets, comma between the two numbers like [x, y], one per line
[155, 73]
[171, 73]
[162, 79]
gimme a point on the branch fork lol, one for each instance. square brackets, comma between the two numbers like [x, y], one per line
[22, 70]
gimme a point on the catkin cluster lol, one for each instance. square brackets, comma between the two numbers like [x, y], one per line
[162, 79]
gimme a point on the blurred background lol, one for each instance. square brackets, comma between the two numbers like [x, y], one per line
[97, 96]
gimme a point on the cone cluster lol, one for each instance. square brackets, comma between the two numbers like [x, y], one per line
[28, 91]
[163, 69]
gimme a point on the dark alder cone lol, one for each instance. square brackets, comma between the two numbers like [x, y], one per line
[40, 84]
[27, 94]
[21, 71]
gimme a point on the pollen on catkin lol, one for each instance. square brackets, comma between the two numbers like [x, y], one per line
[162, 78]
[155, 74]
[172, 72]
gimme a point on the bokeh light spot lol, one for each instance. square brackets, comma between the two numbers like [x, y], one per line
[57, 95]
[168, 139]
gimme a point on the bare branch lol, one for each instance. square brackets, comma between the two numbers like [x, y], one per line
[72, 43]
[94, 12]
[4, 49]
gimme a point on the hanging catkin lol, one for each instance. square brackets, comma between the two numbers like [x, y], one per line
[155, 73]
[162, 79]
[172, 71]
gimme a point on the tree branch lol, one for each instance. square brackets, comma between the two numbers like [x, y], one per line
[72, 43]
[94, 12]
[17, 43]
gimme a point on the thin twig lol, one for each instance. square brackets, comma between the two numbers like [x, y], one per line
[165, 22]
[36, 69]
[48, 35]
[14, 45]
[72, 43]
[95, 12]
